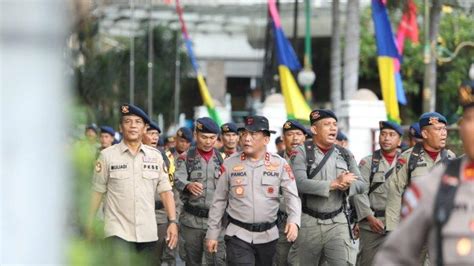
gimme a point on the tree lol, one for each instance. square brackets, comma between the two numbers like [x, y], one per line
[335, 56]
[351, 49]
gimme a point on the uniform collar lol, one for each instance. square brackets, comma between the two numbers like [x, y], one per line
[123, 148]
[266, 159]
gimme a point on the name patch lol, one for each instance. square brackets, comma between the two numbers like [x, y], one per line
[118, 167]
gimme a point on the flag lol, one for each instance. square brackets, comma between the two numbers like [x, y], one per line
[388, 60]
[408, 28]
[296, 106]
[203, 89]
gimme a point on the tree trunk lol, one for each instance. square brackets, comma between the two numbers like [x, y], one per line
[335, 57]
[351, 50]
[429, 84]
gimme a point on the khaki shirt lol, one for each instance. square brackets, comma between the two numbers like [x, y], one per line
[404, 245]
[161, 215]
[365, 204]
[249, 192]
[203, 172]
[129, 183]
[319, 197]
[399, 181]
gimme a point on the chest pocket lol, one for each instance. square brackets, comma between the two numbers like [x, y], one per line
[340, 167]
[151, 174]
[196, 175]
[270, 185]
[239, 187]
[118, 175]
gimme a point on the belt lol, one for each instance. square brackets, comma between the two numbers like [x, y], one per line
[379, 213]
[196, 211]
[159, 205]
[322, 215]
[260, 227]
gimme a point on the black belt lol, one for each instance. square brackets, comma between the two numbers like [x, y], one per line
[379, 213]
[322, 215]
[261, 227]
[159, 205]
[196, 211]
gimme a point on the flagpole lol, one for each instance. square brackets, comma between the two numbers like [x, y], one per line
[132, 54]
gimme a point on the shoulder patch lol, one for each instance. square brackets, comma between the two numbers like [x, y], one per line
[401, 161]
[98, 167]
[288, 169]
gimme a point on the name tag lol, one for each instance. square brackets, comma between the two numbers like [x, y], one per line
[267, 173]
[149, 166]
[236, 174]
[118, 167]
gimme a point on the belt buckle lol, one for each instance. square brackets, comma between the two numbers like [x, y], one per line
[255, 228]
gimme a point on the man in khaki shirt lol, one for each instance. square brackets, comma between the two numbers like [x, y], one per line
[127, 176]
[375, 170]
[427, 154]
[440, 207]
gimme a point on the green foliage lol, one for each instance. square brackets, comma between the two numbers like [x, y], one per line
[103, 80]
[455, 28]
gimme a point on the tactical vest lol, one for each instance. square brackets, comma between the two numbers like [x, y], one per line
[415, 157]
[192, 161]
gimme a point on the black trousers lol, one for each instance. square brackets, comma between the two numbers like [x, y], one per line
[240, 252]
[135, 253]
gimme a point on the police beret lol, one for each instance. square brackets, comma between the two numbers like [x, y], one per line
[92, 127]
[161, 142]
[130, 109]
[229, 127]
[154, 126]
[294, 124]
[319, 114]
[207, 125]
[185, 133]
[415, 130]
[391, 125]
[341, 136]
[466, 98]
[431, 118]
[256, 123]
[169, 139]
[278, 140]
[108, 130]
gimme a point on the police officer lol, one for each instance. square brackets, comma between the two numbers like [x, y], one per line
[106, 138]
[248, 191]
[325, 175]
[128, 175]
[294, 135]
[341, 139]
[170, 144]
[414, 134]
[230, 139]
[279, 144]
[416, 162]
[165, 255]
[183, 140]
[441, 209]
[375, 169]
[197, 171]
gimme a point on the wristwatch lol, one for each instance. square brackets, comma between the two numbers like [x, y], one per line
[173, 221]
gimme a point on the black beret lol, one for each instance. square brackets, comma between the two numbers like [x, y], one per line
[185, 133]
[207, 125]
[341, 136]
[108, 130]
[278, 140]
[130, 109]
[319, 114]
[294, 124]
[391, 125]
[154, 126]
[229, 127]
[415, 130]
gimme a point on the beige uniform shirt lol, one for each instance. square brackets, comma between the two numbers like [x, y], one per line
[249, 192]
[129, 184]
[399, 181]
[319, 197]
[365, 204]
[203, 172]
[403, 246]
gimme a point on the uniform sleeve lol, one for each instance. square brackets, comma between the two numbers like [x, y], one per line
[359, 186]
[362, 201]
[305, 185]
[218, 206]
[404, 245]
[164, 180]
[290, 195]
[181, 174]
[101, 175]
[396, 186]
